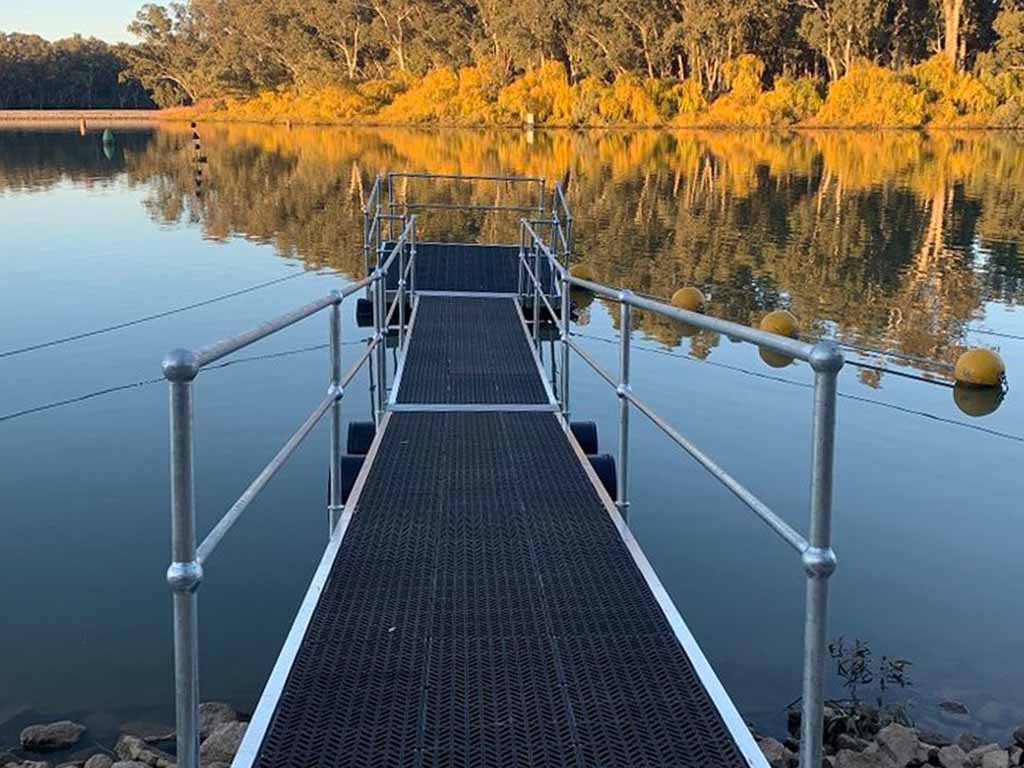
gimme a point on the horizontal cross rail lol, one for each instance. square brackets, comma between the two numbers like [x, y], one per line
[214, 537]
[467, 177]
[216, 351]
[465, 207]
[758, 507]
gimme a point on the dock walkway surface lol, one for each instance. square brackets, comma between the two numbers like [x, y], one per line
[482, 602]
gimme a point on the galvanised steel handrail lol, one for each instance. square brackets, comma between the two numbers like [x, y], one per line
[181, 367]
[408, 205]
[815, 550]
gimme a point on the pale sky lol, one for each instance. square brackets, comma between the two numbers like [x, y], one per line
[53, 19]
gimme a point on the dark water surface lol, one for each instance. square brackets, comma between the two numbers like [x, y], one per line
[893, 241]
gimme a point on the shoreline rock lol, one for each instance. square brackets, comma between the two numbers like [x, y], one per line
[900, 746]
[51, 737]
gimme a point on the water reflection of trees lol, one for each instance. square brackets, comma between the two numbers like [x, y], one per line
[886, 239]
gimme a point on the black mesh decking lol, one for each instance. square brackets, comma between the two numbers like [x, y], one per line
[484, 611]
[469, 350]
[465, 267]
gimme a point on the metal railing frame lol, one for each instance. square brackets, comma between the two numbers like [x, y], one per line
[407, 205]
[181, 367]
[825, 359]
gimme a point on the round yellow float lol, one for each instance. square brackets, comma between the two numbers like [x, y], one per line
[691, 299]
[977, 401]
[979, 368]
[782, 323]
[774, 359]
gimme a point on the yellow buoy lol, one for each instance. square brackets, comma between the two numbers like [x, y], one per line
[977, 401]
[979, 367]
[689, 298]
[582, 271]
[782, 323]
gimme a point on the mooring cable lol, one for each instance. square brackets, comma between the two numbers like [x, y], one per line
[157, 316]
[806, 385]
[148, 382]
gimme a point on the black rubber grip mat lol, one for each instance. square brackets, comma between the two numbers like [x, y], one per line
[484, 611]
[470, 351]
[465, 267]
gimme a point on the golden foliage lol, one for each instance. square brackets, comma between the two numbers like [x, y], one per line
[872, 96]
[930, 93]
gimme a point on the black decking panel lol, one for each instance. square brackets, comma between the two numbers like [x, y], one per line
[469, 350]
[483, 610]
[465, 268]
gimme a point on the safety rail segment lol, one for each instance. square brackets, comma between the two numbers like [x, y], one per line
[826, 360]
[181, 367]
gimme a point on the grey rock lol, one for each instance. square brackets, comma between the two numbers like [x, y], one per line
[934, 738]
[997, 758]
[897, 744]
[129, 764]
[850, 742]
[952, 756]
[32, 764]
[51, 736]
[926, 753]
[975, 755]
[1016, 755]
[147, 731]
[99, 761]
[1018, 735]
[968, 741]
[8, 757]
[777, 755]
[213, 714]
[71, 764]
[954, 707]
[221, 745]
[847, 758]
[134, 749]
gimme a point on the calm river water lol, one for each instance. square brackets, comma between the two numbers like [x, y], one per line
[889, 241]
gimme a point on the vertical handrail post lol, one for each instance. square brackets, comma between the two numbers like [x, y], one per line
[391, 207]
[185, 573]
[536, 294]
[622, 465]
[379, 320]
[401, 289]
[566, 311]
[412, 255]
[522, 260]
[334, 508]
[366, 245]
[818, 559]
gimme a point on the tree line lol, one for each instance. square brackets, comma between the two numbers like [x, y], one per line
[375, 50]
[204, 48]
[76, 72]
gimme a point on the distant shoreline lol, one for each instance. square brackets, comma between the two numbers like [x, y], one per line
[108, 117]
[76, 115]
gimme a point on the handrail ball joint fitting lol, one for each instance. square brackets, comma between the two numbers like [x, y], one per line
[180, 365]
[184, 578]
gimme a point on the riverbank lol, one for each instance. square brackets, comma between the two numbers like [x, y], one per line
[898, 746]
[75, 115]
[931, 94]
[69, 744]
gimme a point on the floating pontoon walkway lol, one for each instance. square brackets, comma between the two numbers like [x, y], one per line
[481, 602]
